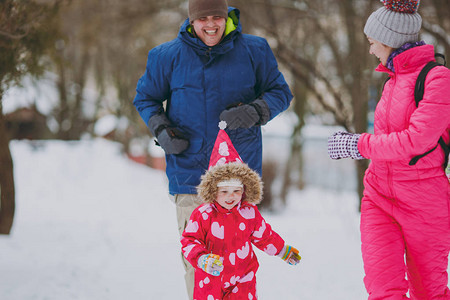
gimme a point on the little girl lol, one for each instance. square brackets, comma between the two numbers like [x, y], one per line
[219, 236]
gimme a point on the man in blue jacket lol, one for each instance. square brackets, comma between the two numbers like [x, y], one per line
[210, 72]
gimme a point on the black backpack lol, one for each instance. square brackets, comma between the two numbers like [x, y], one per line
[418, 96]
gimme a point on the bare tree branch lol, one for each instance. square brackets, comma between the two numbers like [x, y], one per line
[13, 36]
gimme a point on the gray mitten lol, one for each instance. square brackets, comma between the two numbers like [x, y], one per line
[343, 145]
[246, 115]
[168, 136]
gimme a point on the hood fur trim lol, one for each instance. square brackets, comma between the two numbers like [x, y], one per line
[253, 185]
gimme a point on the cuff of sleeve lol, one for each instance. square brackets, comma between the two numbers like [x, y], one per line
[282, 252]
[157, 123]
[362, 145]
[200, 262]
[263, 111]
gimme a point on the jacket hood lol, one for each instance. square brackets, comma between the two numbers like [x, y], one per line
[207, 189]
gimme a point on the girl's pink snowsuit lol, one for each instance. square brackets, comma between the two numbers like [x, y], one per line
[230, 234]
[405, 209]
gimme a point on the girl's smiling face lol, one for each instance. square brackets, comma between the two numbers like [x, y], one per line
[380, 50]
[229, 196]
[209, 29]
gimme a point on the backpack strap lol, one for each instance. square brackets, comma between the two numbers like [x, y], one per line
[446, 149]
[416, 158]
[444, 146]
[418, 96]
[420, 82]
[442, 57]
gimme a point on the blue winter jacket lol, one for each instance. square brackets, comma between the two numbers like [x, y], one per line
[199, 82]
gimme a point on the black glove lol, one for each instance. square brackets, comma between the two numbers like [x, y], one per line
[168, 136]
[246, 115]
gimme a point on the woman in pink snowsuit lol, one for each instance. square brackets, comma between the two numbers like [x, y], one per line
[219, 237]
[405, 223]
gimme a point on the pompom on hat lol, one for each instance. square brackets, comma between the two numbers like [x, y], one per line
[395, 24]
[226, 168]
[203, 8]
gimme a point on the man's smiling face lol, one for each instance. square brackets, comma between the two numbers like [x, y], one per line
[210, 29]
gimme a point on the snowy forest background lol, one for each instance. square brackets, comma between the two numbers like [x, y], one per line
[68, 72]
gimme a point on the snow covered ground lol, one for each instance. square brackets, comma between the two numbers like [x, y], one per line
[91, 224]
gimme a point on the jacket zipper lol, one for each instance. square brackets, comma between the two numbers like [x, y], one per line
[388, 111]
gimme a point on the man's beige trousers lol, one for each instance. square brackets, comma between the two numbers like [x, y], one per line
[186, 203]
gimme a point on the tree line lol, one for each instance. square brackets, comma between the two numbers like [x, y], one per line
[103, 45]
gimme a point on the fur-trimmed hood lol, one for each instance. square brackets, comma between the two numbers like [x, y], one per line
[253, 185]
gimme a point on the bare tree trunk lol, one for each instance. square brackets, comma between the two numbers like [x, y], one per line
[356, 84]
[72, 66]
[295, 160]
[269, 173]
[77, 120]
[7, 193]
[439, 25]
[62, 114]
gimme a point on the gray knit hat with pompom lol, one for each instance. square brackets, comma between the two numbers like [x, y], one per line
[395, 24]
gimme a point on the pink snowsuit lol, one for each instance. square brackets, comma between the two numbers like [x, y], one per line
[230, 234]
[405, 209]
